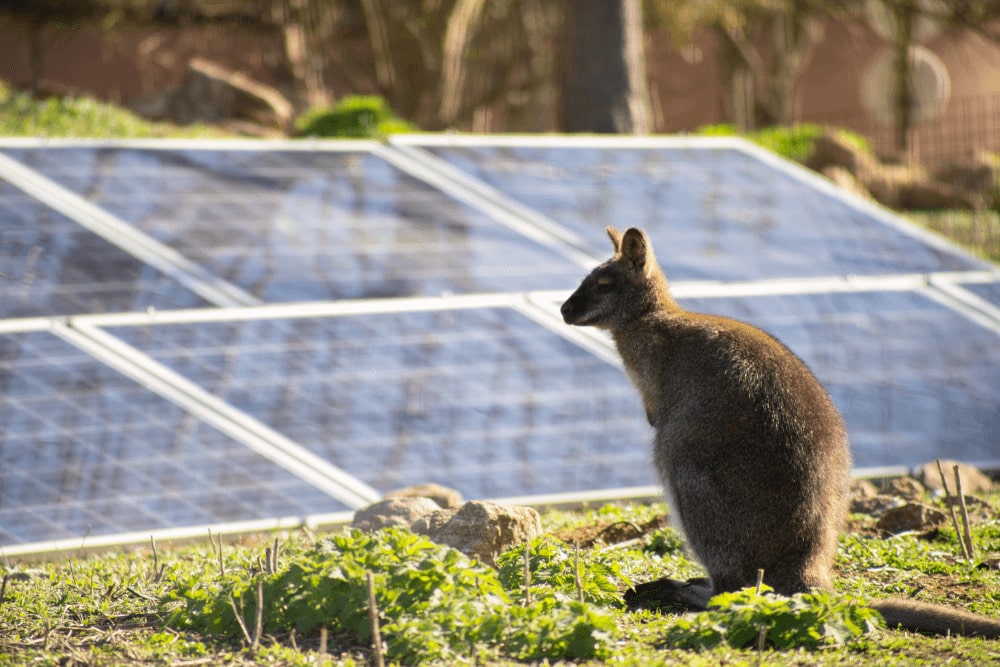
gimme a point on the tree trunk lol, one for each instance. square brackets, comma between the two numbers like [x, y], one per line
[905, 15]
[604, 78]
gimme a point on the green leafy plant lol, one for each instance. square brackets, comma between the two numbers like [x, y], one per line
[806, 620]
[794, 142]
[434, 603]
[21, 115]
[553, 567]
[358, 116]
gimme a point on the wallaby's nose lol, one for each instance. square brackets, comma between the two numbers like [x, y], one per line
[566, 309]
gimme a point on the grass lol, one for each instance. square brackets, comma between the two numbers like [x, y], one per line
[133, 607]
[23, 116]
[976, 231]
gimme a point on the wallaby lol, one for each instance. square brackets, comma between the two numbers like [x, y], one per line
[750, 449]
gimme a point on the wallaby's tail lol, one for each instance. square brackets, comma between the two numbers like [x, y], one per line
[935, 619]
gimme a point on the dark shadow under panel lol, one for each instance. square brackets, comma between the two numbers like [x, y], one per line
[50, 265]
[713, 214]
[304, 226]
[484, 400]
[84, 451]
[914, 380]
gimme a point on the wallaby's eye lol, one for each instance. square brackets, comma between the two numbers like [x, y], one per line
[605, 286]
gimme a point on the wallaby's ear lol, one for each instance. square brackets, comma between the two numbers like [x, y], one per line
[616, 238]
[636, 250]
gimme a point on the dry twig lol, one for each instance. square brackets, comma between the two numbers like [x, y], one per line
[258, 623]
[762, 634]
[576, 573]
[373, 617]
[527, 575]
[239, 619]
[966, 536]
[951, 509]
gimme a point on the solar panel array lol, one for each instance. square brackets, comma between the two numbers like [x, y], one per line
[244, 335]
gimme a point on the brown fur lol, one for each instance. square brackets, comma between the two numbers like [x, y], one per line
[751, 450]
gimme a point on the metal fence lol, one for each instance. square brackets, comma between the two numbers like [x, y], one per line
[967, 127]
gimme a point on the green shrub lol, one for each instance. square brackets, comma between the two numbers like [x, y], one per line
[21, 115]
[357, 116]
[434, 603]
[806, 620]
[794, 142]
[553, 566]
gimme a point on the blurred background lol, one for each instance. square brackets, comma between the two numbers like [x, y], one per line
[916, 82]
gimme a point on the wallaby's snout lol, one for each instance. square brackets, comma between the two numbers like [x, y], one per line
[570, 309]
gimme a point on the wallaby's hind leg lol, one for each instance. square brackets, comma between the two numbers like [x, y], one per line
[670, 595]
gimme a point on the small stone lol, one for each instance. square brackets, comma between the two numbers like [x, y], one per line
[863, 488]
[910, 517]
[442, 495]
[906, 488]
[875, 505]
[429, 524]
[482, 530]
[974, 480]
[393, 512]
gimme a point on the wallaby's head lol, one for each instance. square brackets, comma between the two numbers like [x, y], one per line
[629, 285]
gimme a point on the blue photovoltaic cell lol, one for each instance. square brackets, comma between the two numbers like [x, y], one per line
[50, 265]
[484, 400]
[84, 451]
[718, 214]
[988, 291]
[914, 380]
[300, 226]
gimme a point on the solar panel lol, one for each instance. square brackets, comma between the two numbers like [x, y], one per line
[86, 452]
[713, 210]
[987, 291]
[485, 400]
[49, 265]
[333, 320]
[294, 225]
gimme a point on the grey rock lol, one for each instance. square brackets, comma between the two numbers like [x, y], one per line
[906, 488]
[445, 497]
[875, 505]
[393, 512]
[974, 480]
[912, 516]
[483, 530]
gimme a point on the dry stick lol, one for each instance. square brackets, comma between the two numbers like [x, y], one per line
[156, 569]
[239, 619]
[3, 587]
[274, 555]
[951, 509]
[762, 634]
[222, 566]
[322, 640]
[373, 617]
[576, 574]
[967, 531]
[258, 622]
[527, 576]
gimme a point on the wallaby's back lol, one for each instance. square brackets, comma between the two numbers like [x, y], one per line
[750, 448]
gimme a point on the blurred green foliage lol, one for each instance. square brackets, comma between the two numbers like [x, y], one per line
[354, 116]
